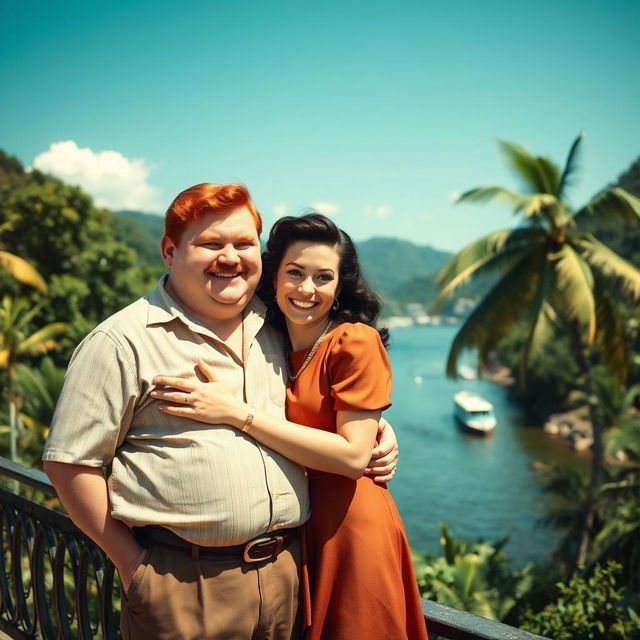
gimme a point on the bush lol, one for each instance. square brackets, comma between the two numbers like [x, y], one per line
[587, 609]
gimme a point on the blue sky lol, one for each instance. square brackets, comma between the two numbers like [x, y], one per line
[376, 112]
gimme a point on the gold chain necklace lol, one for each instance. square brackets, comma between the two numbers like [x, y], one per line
[316, 344]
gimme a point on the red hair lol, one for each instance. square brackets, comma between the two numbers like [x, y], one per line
[193, 203]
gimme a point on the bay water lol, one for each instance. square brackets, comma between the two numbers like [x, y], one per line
[479, 487]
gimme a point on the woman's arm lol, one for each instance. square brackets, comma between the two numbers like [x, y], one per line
[346, 452]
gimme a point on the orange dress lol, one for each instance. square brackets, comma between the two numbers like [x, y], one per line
[358, 558]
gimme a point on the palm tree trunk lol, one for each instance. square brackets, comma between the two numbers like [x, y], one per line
[597, 460]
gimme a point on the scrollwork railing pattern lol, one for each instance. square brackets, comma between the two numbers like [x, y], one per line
[54, 581]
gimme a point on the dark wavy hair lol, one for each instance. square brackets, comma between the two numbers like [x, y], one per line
[357, 302]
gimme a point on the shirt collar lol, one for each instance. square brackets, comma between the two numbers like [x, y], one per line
[164, 309]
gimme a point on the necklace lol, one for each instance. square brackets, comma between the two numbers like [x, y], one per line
[316, 344]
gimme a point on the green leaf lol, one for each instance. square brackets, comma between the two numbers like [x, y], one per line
[618, 272]
[22, 271]
[611, 203]
[491, 318]
[495, 252]
[610, 333]
[575, 289]
[543, 316]
[540, 175]
[571, 165]
[42, 340]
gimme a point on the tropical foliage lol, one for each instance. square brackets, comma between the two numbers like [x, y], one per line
[17, 342]
[587, 609]
[64, 247]
[73, 245]
[472, 577]
[553, 274]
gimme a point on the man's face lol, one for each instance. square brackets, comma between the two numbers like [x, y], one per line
[216, 266]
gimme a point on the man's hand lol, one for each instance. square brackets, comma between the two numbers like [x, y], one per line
[384, 457]
[126, 573]
[83, 493]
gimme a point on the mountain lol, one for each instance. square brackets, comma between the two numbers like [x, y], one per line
[399, 270]
[390, 262]
[142, 232]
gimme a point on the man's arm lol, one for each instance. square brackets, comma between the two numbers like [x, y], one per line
[83, 493]
[384, 457]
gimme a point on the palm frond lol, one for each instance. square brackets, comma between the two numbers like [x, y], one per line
[482, 605]
[488, 322]
[571, 165]
[532, 205]
[610, 204]
[616, 270]
[540, 175]
[43, 340]
[537, 204]
[625, 438]
[549, 176]
[446, 595]
[491, 192]
[22, 271]
[495, 252]
[574, 286]
[610, 331]
[543, 318]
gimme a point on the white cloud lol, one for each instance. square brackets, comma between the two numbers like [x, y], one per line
[280, 209]
[326, 208]
[381, 211]
[115, 182]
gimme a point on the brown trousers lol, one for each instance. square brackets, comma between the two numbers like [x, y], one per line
[173, 597]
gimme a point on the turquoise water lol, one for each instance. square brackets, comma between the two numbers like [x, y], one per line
[479, 487]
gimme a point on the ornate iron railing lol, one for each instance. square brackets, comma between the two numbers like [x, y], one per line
[54, 581]
[56, 584]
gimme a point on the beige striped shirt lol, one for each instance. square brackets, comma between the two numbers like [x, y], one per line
[209, 484]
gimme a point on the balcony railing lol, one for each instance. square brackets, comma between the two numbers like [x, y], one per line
[55, 583]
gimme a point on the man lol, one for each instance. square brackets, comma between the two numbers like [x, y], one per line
[201, 522]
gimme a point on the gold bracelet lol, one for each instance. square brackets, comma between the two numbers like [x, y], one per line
[248, 421]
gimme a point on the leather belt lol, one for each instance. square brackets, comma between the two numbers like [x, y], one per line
[257, 550]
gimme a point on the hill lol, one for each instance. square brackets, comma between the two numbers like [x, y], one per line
[142, 232]
[402, 272]
[390, 262]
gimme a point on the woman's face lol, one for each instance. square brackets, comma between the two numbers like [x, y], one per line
[306, 283]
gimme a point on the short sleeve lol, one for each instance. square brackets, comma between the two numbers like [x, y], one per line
[360, 371]
[96, 405]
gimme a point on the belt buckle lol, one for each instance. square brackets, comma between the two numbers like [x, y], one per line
[279, 545]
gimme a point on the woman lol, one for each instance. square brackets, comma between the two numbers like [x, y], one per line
[362, 579]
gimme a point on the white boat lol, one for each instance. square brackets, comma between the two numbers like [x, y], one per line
[466, 372]
[474, 413]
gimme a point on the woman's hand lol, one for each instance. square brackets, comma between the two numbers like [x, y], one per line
[384, 457]
[210, 401]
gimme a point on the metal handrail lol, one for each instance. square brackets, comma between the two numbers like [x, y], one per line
[50, 558]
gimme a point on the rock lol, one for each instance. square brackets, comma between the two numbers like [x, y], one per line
[573, 426]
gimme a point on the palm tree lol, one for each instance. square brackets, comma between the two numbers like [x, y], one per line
[16, 343]
[552, 273]
[472, 577]
[22, 271]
